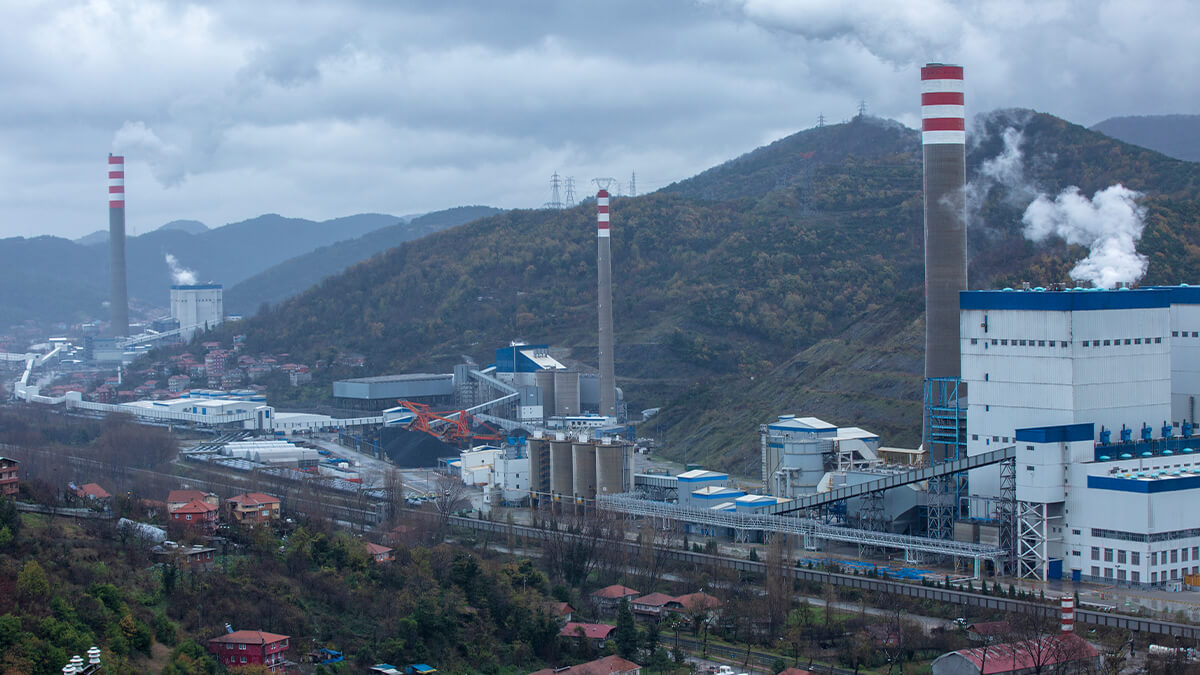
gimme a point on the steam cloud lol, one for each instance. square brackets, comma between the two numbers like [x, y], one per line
[167, 161]
[180, 275]
[1109, 224]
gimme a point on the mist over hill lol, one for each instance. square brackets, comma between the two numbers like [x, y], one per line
[786, 280]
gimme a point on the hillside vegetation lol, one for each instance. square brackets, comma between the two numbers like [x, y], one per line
[787, 280]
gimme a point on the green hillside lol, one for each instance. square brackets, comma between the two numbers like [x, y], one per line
[787, 280]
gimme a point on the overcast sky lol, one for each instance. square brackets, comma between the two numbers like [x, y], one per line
[230, 109]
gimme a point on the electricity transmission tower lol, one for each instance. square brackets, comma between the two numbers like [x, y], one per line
[555, 200]
[570, 198]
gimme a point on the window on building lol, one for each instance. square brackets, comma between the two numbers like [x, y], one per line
[1121, 556]
[1108, 572]
[1042, 343]
[1158, 341]
[1004, 439]
[974, 437]
[974, 341]
[1174, 333]
[1108, 555]
[1135, 576]
[242, 646]
[1120, 575]
[1174, 555]
[1107, 343]
[1154, 577]
[995, 341]
[1183, 555]
[1135, 558]
[1196, 553]
[1154, 557]
[1095, 553]
[1137, 341]
[1174, 574]
[1004, 343]
[1128, 341]
[1095, 571]
[1075, 532]
[1065, 343]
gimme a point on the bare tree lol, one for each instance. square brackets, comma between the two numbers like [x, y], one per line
[451, 498]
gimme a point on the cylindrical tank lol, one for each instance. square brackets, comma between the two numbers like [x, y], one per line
[561, 476]
[613, 458]
[583, 455]
[566, 393]
[545, 380]
[539, 463]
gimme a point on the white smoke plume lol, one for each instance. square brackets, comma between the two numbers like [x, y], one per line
[180, 275]
[1109, 224]
[166, 160]
[1006, 169]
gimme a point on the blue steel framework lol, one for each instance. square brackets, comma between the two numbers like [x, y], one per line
[944, 434]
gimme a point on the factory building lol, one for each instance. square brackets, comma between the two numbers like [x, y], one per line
[197, 307]
[1095, 390]
[798, 453]
[381, 393]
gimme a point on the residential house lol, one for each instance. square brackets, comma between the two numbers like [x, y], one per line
[253, 507]
[695, 603]
[178, 498]
[608, 599]
[559, 610]
[196, 515]
[194, 558]
[609, 665]
[380, 554]
[1052, 653]
[245, 647]
[91, 491]
[652, 606]
[9, 481]
[596, 633]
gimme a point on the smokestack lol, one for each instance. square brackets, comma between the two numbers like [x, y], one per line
[118, 302]
[943, 137]
[1068, 614]
[608, 378]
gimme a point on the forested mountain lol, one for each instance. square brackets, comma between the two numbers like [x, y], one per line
[1176, 136]
[782, 281]
[292, 276]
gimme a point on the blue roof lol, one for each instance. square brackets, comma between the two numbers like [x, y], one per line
[1073, 301]
[1065, 433]
[196, 287]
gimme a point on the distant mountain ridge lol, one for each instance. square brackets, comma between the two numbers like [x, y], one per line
[189, 226]
[1175, 136]
[295, 275]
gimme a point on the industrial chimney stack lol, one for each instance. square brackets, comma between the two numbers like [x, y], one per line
[608, 378]
[118, 302]
[943, 137]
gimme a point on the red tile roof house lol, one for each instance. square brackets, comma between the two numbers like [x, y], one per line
[195, 515]
[91, 491]
[597, 633]
[561, 610]
[653, 606]
[1055, 653]
[253, 507]
[694, 602]
[178, 498]
[244, 647]
[380, 554]
[609, 665]
[608, 599]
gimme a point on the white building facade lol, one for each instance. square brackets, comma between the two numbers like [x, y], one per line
[1095, 391]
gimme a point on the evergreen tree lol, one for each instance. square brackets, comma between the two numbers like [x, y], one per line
[626, 634]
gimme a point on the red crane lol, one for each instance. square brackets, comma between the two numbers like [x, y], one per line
[450, 426]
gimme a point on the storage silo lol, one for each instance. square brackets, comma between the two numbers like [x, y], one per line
[566, 393]
[583, 456]
[539, 464]
[614, 467]
[545, 380]
[560, 465]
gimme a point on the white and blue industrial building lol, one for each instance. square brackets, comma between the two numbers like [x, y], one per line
[1095, 391]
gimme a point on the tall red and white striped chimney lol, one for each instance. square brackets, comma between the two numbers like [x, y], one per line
[118, 299]
[608, 383]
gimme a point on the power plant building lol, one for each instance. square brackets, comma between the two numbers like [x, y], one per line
[1095, 390]
[798, 453]
[197, 307]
